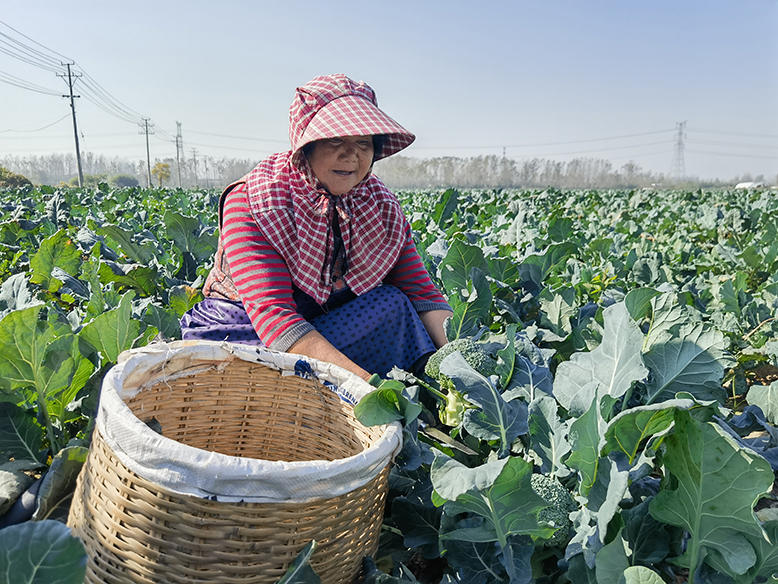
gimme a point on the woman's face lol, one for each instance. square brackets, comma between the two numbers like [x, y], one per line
[340, 164]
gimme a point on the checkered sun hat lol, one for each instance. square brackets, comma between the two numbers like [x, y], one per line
[332, 106]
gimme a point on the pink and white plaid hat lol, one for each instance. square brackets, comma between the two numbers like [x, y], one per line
[332, 106]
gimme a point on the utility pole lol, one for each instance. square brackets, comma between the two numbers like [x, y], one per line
[179, 150]
[677, 170]
[144, 127]
[194, 157]
[70, 81]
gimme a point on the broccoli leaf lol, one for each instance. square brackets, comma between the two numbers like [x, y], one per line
[21, 437]
[548, 436]
[640, 575]
[766, 397]
[57, 251]
[456, 269]
[648, 538]
[114, 331]
[585, 440]
[471, 310]
[498, 491]
[638, 302]
[718, 484]
[529, 380]
[494, 419]
[631, 428]
[611, 560]
[609, 369]
[692, 359]
[41, 551]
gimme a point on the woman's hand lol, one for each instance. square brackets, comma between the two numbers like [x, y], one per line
[314, 345]
[433, 322]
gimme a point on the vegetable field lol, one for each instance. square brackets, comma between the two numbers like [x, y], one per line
[611, 419]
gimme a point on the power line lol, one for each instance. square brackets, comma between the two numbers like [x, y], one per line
[541, 144]
[35, 130]
[715, 143]
[735, 155]
[771, 136]
[21, 83]
[36, 42]
[238, 137]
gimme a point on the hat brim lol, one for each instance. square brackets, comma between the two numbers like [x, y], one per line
[354, 116]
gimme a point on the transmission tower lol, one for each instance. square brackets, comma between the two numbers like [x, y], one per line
[179, 150]
[194, 159]
[677, 169]
[147, 128]
[70, 80]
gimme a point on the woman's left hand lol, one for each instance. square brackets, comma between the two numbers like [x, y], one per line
[433, 321]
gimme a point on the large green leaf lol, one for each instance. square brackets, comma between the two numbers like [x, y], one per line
[556, 310]
[548, 436]
[498, 491]
[35, 355]
[182, 298]
[610, 369]
[419, 524]
[766, 397]
[629, 430]
[717, 484]
[470, 311]
[692, 360]
[137, 247]
[58, 483]
[611, 561]
[494, 418]
[15, 294]
[189, 234]
[114, 331]
[649, 540]
[638, 302]
[585, 440]
[12, 484]
[640, 575]
[41, 552]
[57, 251]
[455, 268]
[141, 278]
[21, 437]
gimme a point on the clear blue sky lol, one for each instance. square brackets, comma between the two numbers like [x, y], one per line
[557, 79]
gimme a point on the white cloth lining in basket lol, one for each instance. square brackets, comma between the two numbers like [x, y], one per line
[192, 471]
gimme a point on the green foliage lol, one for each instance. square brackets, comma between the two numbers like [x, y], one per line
[593, 336]
[702, 460]
[41, 552]
[12, 180]
[123, 180]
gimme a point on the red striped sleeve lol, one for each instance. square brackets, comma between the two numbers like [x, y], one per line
[260, 276]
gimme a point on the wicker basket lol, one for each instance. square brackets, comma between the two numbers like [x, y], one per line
[238, 412]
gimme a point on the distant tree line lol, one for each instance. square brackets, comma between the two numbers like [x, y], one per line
[402, 172]
[399, 172]
[55, 169]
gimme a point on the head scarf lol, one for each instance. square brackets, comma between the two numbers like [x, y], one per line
[294, 210]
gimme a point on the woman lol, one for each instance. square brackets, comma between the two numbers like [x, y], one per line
[315, 256]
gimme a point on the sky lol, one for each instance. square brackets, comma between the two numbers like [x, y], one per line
[558, 79]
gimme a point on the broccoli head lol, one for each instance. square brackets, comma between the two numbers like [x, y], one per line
[474, 354]
[561, 504]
